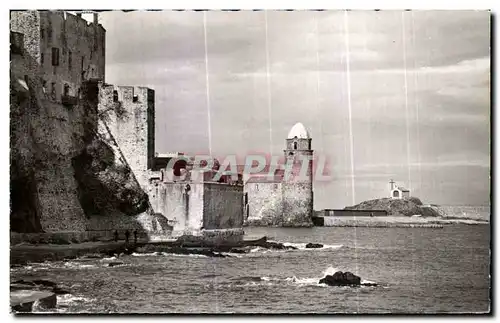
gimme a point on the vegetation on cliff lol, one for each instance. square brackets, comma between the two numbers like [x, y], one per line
[407, 207]
[55, 150]
[104, 185]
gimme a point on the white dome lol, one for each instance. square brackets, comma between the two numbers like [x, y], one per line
[299, 131]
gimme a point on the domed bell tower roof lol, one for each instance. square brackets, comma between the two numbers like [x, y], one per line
[299, 131]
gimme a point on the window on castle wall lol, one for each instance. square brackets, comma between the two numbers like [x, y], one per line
[53, 91]
[66, 89]
[55, 56]
[295, 145]
[70, 60]
[115, 96]
[135, 98]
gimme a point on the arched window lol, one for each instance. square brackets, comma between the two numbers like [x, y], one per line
[395, 194]
[295, 145]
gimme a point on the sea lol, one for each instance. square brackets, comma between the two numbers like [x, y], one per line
[418, 270]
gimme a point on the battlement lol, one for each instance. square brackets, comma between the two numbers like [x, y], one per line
[129, 94]
[130, 113]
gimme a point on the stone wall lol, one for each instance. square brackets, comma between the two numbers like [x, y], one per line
[222, 206]
[353, 213]
[223, 236]
[265, 203]
[129, 114]
[182, 205]
[80, 47]
[28, 24]
[191, 207]
[297, 204]
[45, 136]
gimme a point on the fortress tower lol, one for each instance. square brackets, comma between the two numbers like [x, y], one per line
[297, 184]
[65, 50]
[131, 120]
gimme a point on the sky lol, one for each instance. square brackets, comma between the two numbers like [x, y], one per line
[402, 95]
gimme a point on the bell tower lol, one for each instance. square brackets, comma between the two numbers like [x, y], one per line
[298, 178]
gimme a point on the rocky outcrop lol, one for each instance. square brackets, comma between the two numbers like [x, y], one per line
[407, 207]
[34, 295]
[311, 245]
[25, 301]
[341, 279]
[105, 185]
[345, 279]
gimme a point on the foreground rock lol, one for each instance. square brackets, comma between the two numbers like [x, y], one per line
[341, 279]
[313, 245]
[32, 300]
[38, 284]
[344, 279]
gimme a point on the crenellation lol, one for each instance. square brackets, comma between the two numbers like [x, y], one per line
[125, 93]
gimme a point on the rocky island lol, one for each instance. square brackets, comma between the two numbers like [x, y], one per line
[407, 212]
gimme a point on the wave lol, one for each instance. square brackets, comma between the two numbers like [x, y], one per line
[314, 281]
[251, 281]
[248, 278]
[151, 254]
[69, 299]
[108, 259]
[231, 254]
[184, 255]
[66, 301]
[302, 245]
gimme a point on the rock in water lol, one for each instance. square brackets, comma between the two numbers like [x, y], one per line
[341, 279]
[314, 245]
[31, 300]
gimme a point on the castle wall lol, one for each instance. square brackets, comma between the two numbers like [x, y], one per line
[80, 48]
[183, 208]
[265, 203]
[45, 136]
[131, 122]
[222, 206]
[191, 207]
[28, 24]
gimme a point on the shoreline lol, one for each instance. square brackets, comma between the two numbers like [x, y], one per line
[23, 254]
[396, 221]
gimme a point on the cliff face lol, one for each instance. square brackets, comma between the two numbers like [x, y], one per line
[105, 183]
[44, 137]
[62, 171]
[406, 207]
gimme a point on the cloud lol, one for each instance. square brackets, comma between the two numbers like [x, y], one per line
[441, 108]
